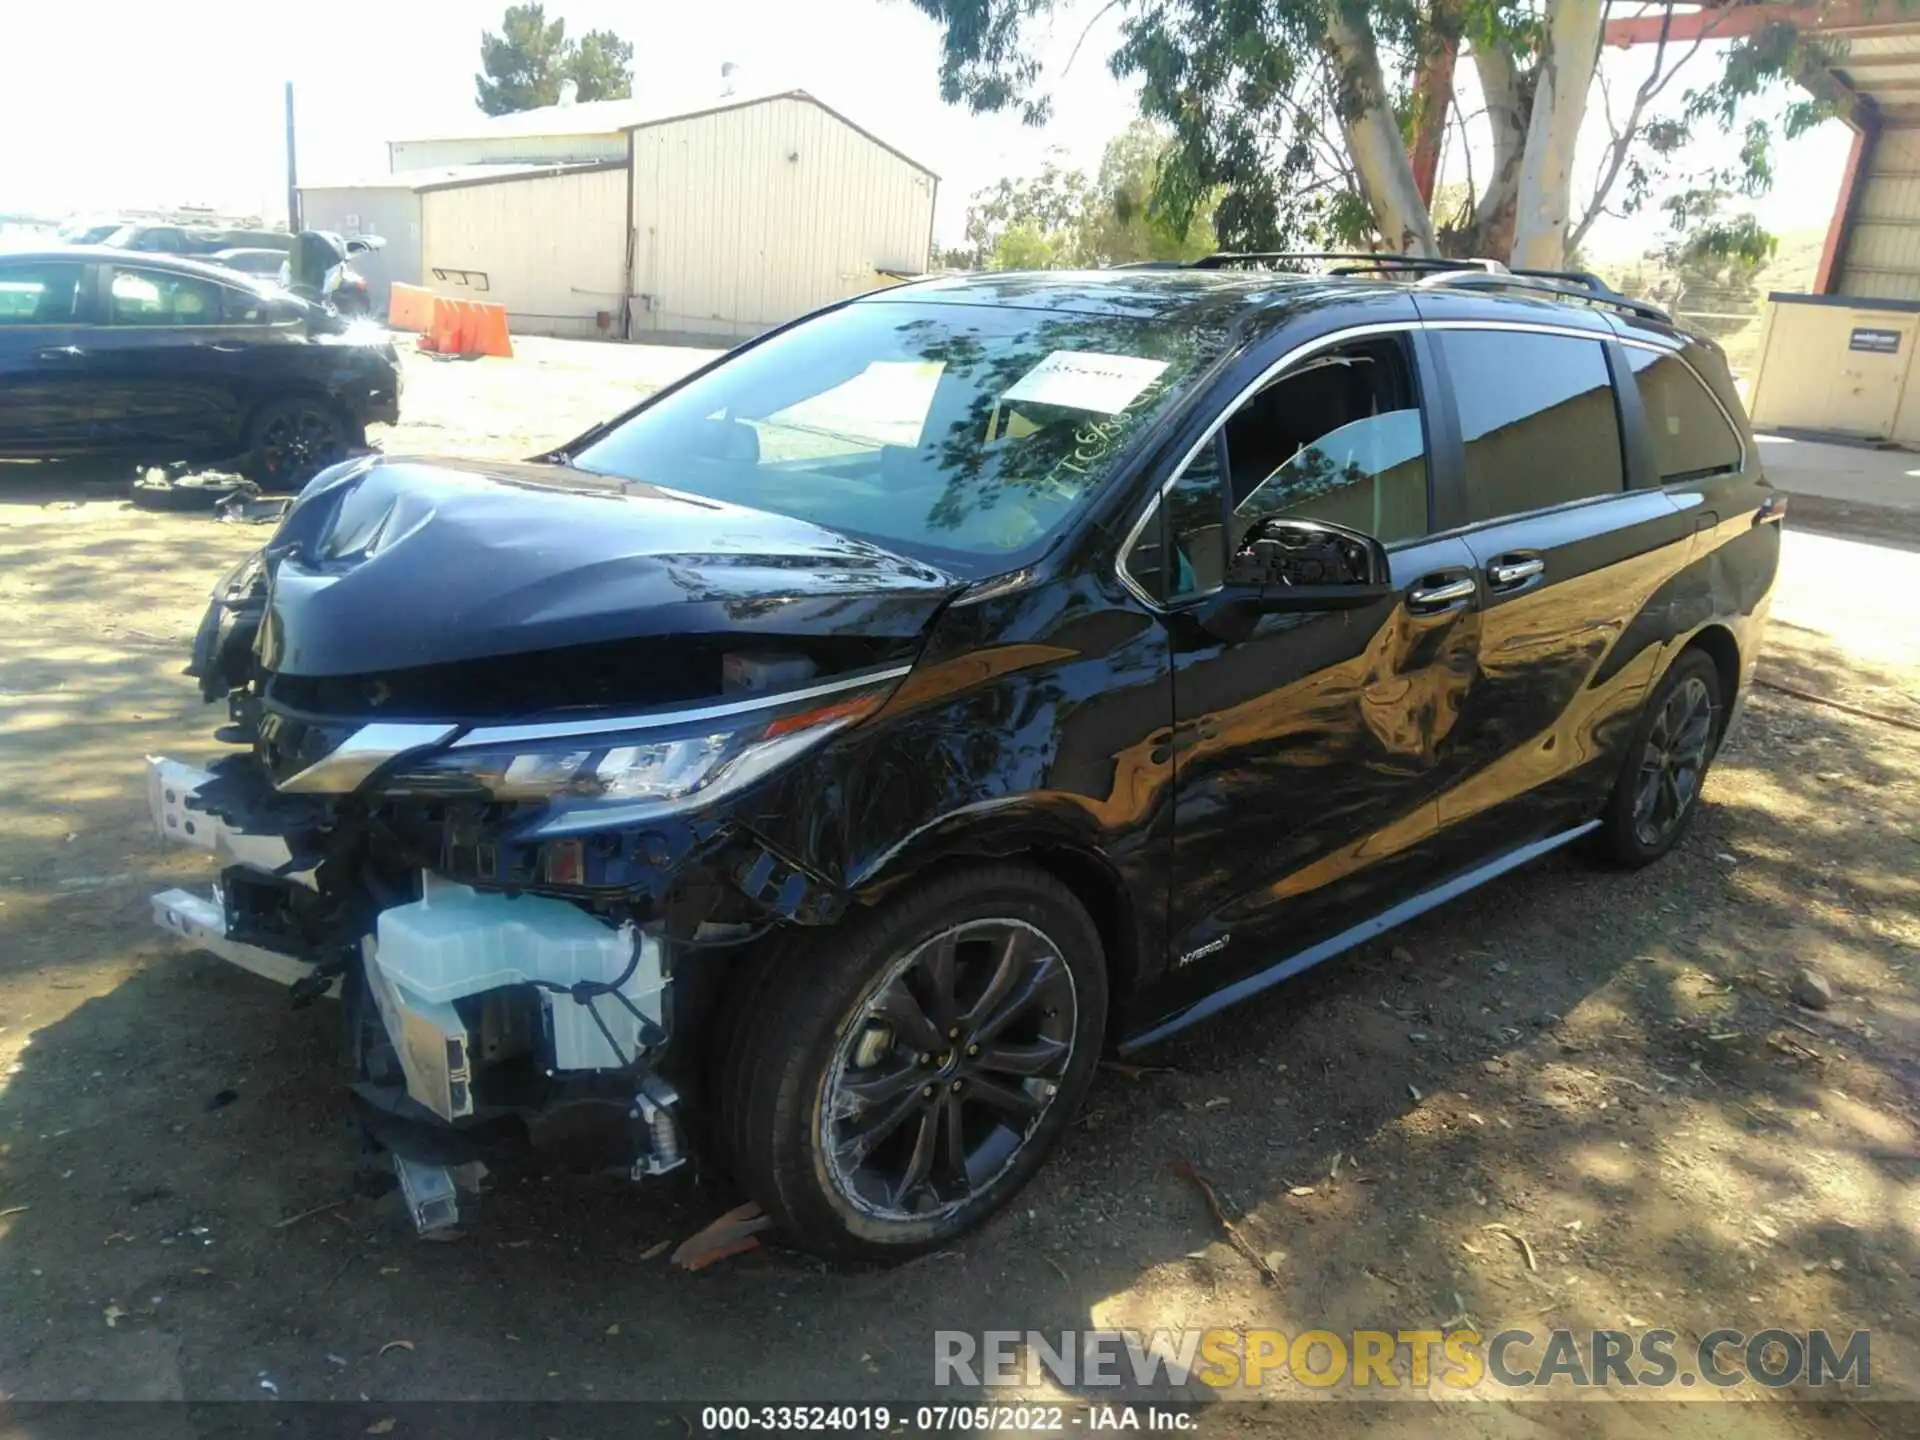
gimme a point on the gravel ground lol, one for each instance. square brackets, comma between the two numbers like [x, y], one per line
[1607, 1066]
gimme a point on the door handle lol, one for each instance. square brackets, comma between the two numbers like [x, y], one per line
[58, 352]
[216, 345]
[1772, 511]
[1438, 596]
[1511, 570]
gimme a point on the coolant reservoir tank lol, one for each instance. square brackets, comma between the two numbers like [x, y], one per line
[455, 941]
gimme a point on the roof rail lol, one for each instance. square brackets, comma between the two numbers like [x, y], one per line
[1581, 285]
[1357, 262]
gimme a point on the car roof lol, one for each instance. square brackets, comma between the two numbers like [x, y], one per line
[115, 254]
[1233, 297]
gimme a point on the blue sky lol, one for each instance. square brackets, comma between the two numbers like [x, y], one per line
[184, 106]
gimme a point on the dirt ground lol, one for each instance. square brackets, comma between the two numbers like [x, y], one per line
[1607, 1065]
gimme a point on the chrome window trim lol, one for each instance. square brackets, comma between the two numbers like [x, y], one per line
[659, 719]
[1383, 327]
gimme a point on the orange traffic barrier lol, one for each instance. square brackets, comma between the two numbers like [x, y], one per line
[468, 327]
[410, 307]
[487, 333]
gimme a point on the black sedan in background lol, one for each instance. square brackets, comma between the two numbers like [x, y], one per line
[160, 360]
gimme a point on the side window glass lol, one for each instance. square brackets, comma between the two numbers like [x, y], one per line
[244, 307]
[1691, 436]
[1340, 439]
[1537, 417]
[40, 293]
[1181, 550]
[153, 297]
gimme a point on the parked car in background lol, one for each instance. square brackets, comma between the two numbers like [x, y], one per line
[269, 265]
[86, 231]
[820, 764]
[160, 238]
[161, 360]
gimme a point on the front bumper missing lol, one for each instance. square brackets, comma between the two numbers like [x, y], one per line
[203, 920]
[425, 955]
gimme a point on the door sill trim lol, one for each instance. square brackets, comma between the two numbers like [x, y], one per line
[1386, 920]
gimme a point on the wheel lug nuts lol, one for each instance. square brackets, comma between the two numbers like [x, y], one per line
[925, 1059]
[955, 1085]
[927, 1091]
[973, 1049]
[953, 1033]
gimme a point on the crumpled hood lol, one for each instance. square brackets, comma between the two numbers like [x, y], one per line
[386, 564]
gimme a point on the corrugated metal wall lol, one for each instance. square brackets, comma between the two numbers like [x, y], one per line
[745, 218]
[552, 248]
[504, 149]
[389, 211]
[1883, 260]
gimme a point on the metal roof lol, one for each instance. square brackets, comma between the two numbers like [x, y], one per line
[614, 117]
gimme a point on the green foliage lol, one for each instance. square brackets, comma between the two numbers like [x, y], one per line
[522, 66]
[1059, 218]
[1254, 103]
[602, 66]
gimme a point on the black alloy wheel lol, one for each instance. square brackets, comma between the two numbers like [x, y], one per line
[292, 440]
[1673, 761]
[885, 1084]
[955, 1059]
[1666, 764]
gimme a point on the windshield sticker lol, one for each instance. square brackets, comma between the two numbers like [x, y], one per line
[1084, 380]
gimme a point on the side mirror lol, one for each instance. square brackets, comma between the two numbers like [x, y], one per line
[1287, 566]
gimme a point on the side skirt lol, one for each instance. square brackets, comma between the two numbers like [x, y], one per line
[1366, 930]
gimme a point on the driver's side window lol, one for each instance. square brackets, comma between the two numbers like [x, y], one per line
[1339, 438]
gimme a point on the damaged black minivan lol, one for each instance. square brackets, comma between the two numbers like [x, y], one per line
[816, 768]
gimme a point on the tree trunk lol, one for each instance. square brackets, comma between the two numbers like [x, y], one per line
[1432, 96]
[1509, 105]
[1565, 74]
[1374, 142]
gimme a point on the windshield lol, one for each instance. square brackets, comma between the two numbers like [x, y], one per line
[971, 430]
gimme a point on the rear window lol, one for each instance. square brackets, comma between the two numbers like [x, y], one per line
[1691, 434]
[1538, 419]
[966, 430]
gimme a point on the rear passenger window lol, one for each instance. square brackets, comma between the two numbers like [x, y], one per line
[1537, 417]
[1691, 436]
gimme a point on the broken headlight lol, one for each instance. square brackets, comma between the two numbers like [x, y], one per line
[644, 762]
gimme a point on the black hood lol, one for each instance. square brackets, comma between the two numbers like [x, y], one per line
[390, 564]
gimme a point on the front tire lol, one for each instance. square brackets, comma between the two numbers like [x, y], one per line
[1673, 746]
[292, 439]
[887, 1085]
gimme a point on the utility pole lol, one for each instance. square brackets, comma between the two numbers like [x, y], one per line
[293, 173]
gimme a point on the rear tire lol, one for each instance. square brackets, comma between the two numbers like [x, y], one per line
[292, 439]
[883, 1087]
[1654, 800]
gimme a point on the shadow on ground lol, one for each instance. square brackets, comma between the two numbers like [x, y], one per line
[1605, 1064]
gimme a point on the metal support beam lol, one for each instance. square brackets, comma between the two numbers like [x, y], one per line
[1865, 121]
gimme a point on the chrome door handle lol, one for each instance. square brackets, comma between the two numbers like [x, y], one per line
[58, 352]
[1512, 572]
[1430, 596]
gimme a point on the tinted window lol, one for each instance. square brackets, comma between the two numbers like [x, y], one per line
[970, 430]
[154, 297]
[1337, 439]
[1538, 418]
[1691, 437]
[39, 293]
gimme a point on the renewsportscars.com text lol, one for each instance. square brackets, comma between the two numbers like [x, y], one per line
[1385, 1360]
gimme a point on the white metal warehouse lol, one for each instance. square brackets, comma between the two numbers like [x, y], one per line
[603, 219]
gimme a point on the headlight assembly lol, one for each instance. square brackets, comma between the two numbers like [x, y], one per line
[644, 762]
